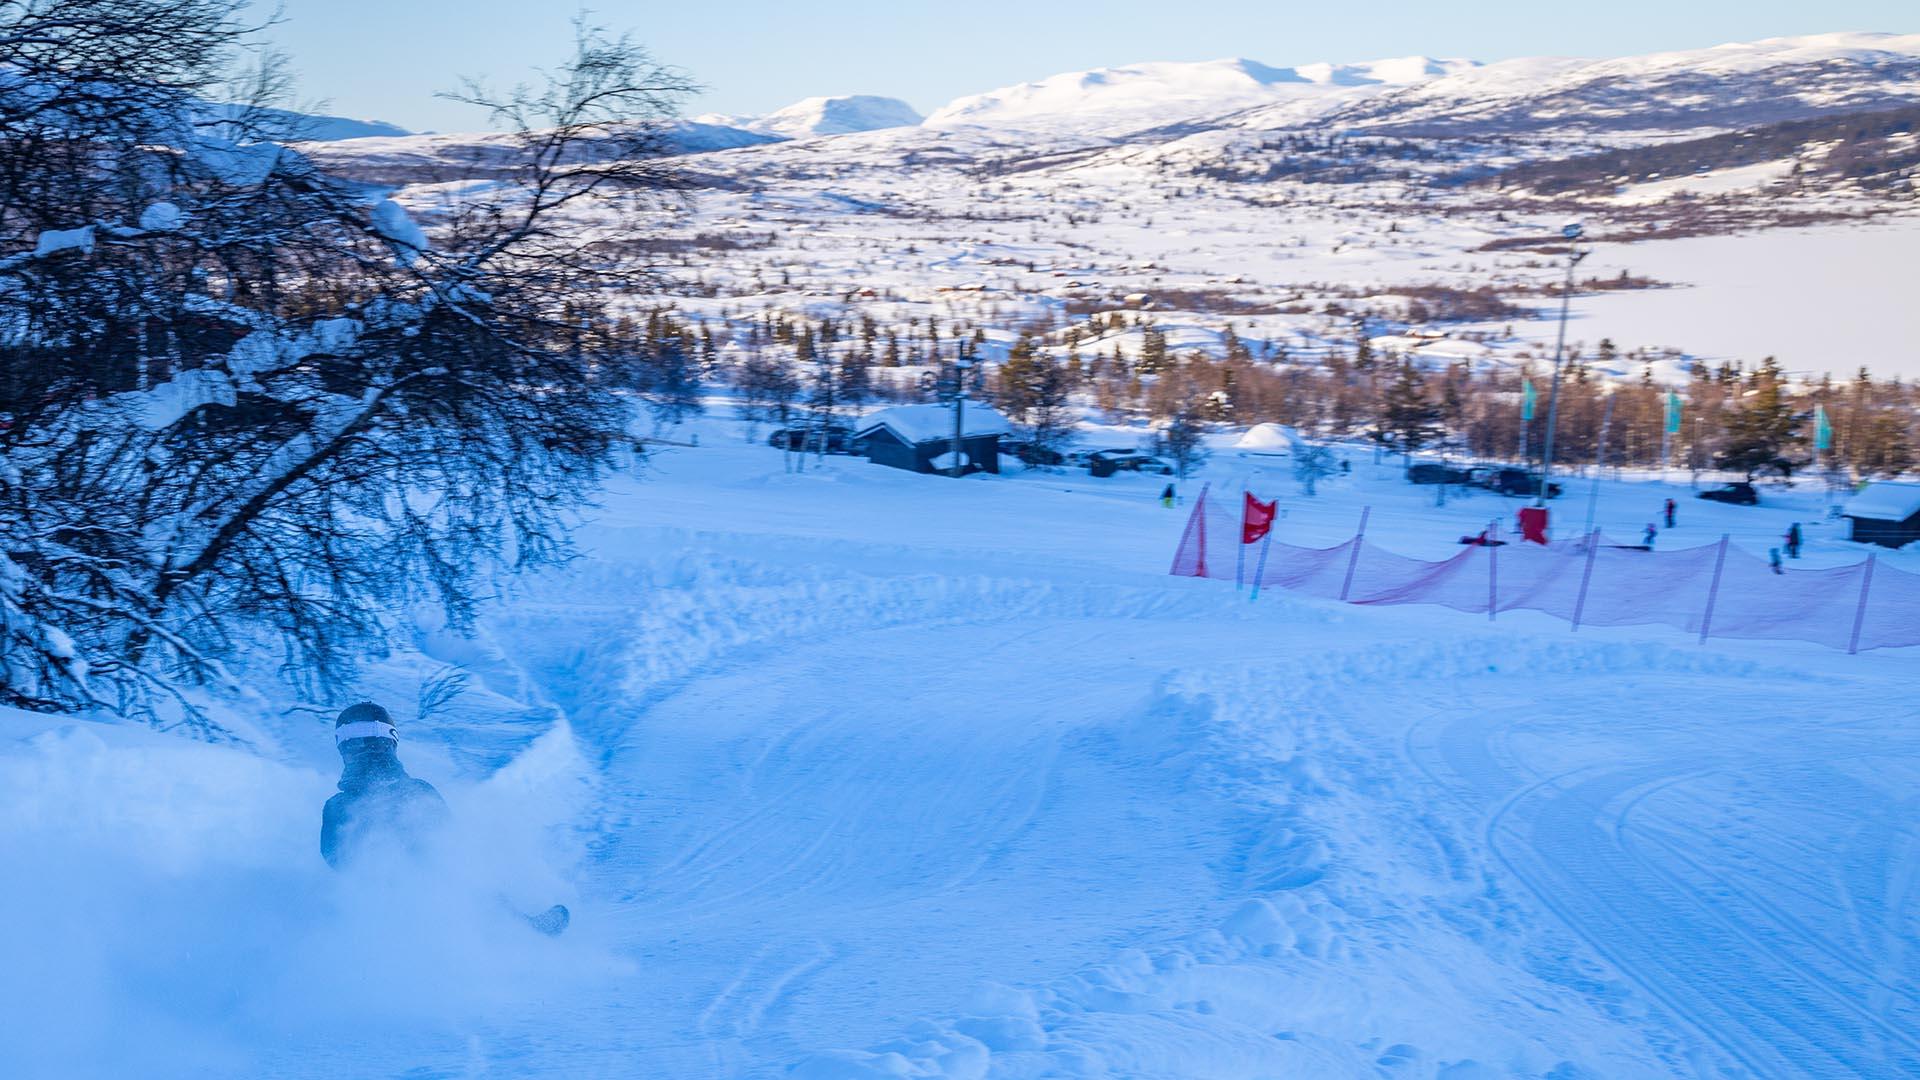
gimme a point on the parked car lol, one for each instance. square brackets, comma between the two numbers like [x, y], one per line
[1739, 493]
[839, 438]
[1106, 464]
[1513, 482]
[1029, 454]
[1429, 473]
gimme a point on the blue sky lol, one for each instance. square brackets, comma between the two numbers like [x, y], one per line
[384, 59]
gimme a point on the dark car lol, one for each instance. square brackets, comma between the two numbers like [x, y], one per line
[1428, 473]
[1740, 493]
[1106, 463]
[1515, 482]
[839, 438]
[1029, 454]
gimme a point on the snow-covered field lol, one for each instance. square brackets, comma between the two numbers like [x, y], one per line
[853, 772]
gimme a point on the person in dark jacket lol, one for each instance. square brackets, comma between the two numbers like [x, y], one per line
[1671, 507]
[1166, 496]
[378, 802]
[1793, 540]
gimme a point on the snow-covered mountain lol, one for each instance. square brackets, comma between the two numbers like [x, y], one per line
[842, 115]
[412, 159]
[314, 127]
[1118, 99]
[1725, 86]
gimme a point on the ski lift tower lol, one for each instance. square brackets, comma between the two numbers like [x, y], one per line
[1573, 231]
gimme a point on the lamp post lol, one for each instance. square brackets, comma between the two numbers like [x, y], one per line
[1572, 231]
[961, 364]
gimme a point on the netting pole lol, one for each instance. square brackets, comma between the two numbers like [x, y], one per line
[1860, 613]
[1240, 549]
[1196, 526]
[1586, 576]
[1353, 562]
[1261, 571]
[1493, 572]
[1713, 590]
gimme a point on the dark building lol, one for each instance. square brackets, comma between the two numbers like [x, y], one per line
[919, 438]
[1887, 514]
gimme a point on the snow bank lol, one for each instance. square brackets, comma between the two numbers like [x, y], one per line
[1268, 439]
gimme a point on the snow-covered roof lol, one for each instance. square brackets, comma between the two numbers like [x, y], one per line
[1885, 501]
[929, 423]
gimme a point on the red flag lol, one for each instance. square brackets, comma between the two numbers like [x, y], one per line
[1533, 524]
[1256, 518]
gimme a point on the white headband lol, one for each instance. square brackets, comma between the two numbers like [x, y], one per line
[364, 729]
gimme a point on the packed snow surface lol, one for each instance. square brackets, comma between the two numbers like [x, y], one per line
[853, 772]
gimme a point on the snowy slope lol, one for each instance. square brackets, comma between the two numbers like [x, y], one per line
[856, 773]
[1119, 99]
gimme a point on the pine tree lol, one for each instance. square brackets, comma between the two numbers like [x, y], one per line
[1762, 428]
[1408, 420]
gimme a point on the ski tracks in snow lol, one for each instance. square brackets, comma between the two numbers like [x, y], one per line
[1689, 855]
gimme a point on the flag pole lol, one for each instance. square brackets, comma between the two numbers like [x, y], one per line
[1261, 570]
[1240, 549]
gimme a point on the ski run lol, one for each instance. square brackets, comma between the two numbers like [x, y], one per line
[857, 773]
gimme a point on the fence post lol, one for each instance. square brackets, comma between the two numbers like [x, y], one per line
[1860, 613]
[1493, 574]
[1713, 590]
[1196, 524]
[1586, 575]
[1353, 561]
[1240, 549]
[1261, 571]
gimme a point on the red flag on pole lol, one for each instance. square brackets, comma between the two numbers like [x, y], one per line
[1533, 524]
[1256, 518]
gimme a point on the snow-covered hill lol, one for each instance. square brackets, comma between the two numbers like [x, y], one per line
[1722, 87]
[415, 159]
[862, 774]
[314, 127]
[1119, 99]
[842, 115]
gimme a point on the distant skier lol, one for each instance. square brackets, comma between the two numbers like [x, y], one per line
[1671, 507]
[1166, 496]
[1647, 538]
[1794, 539]
[1773, 560]
[378, 802]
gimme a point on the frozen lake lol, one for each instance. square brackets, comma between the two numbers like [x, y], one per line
[1820, 300]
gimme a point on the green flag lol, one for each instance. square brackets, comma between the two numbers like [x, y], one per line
[1673, 412]
[1822, 429]
[1526, 400]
